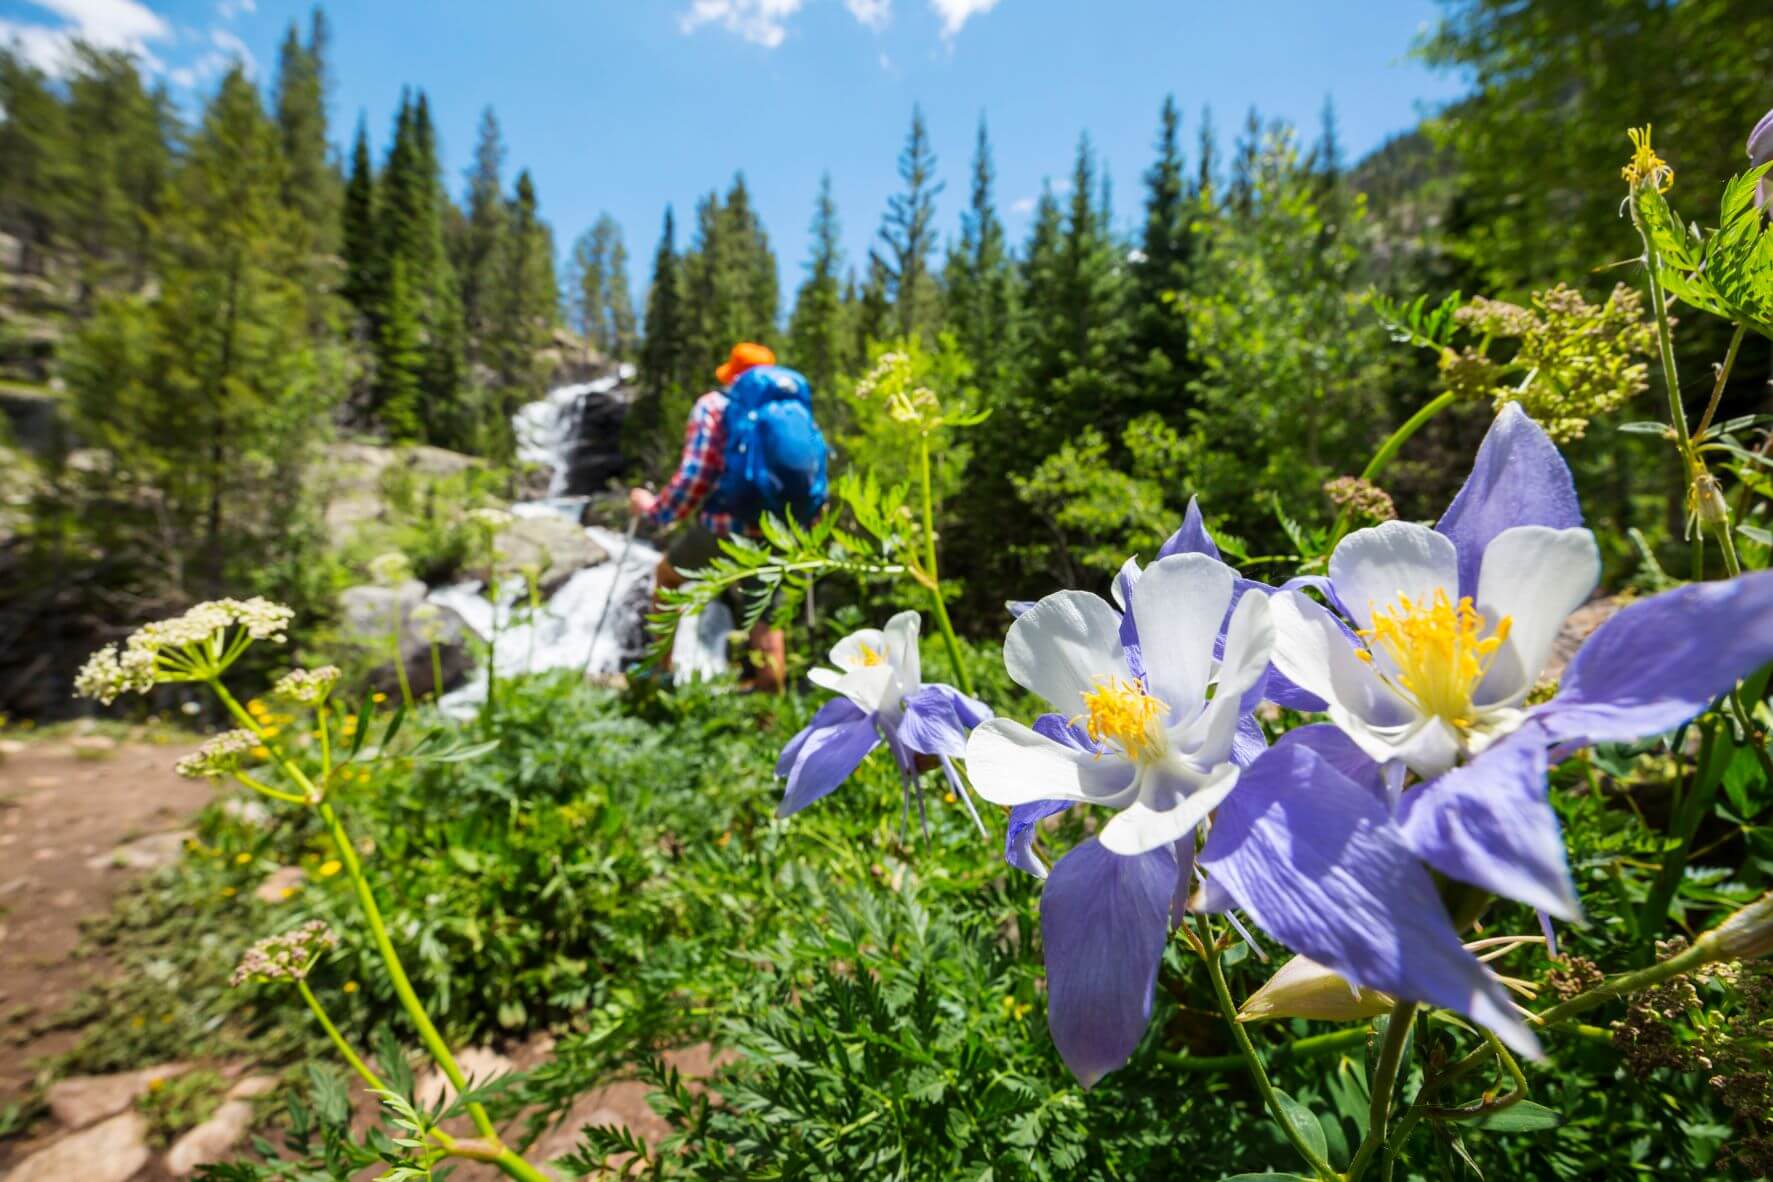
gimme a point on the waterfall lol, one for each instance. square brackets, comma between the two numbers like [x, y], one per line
[564, 633]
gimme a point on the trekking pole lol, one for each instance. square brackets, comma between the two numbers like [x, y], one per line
[627, 545]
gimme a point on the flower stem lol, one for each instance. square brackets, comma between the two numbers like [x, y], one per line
[1391, 1051]
[1717, 389]
[513, 1165]
[338, 1040]
[436, 671]
[1228, 1009]
[1299, 1048]
[1702, 952]
[400, 668]
[372, 914]
[1390, 447]
[929, 560]
[1671, 381]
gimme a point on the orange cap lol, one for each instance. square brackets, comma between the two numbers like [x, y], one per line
[745, 355]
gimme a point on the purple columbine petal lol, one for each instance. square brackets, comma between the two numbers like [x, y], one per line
[1518, 478]
[1018, 842]
[1313, 857]
[1249, 743]
[1184, 852]
[1658, 662]
[1490, 822]
[1017, 606]
[937, 718]
[1193, 537]
[1104, 919]
[832, 713]
[826, 757]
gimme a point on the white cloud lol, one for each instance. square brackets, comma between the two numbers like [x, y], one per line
[229, 9]
[226, 49]
[761, 22]
[872, 13]
[106, 24]
[1022, 206]
[956, 13]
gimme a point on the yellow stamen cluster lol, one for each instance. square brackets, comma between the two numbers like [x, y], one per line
[1645, 165]
[1439, 650]
[1120, 711]
[871, 656]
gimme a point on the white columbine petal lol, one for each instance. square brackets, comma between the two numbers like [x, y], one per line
[1249, 645]
[1011, 764]
[1372, 567]
[852, 652]
[1178, 605]
[901, 650]
[872, 687]
[1536, 576]
[1312, 651]
[1058, 648]
[1167, 809]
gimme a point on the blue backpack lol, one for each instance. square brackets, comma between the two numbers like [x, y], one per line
[775, 453]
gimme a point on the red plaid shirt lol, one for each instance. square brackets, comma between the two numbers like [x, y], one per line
[698, 471]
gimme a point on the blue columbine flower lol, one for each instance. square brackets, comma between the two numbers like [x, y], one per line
[883, 699]
[1436, 640]
[1155, 743]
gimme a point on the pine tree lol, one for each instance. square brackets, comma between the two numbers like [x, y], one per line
[117, 159]
[661, 350]
[908, 231]
[1160, 332]
[217, 366]
[310, 186]
[400, 370]
[1207, 162]
[817, 341]
[873, 319]
[979, 280]
[33, 144]
[597, 289]
[1246, 152]
[646, 435]
[358, 229]
[484, 240]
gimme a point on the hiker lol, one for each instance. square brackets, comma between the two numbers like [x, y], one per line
[750, 447]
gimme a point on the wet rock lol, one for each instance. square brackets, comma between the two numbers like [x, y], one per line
[369, 616]
[211, 1141]
[82, 1099]
[478, 1064]
[145, 853]
[555, 547]
[113, 1151]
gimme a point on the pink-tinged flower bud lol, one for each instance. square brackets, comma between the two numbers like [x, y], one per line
[1747, 934]
[1760, 151]
[1303, 988]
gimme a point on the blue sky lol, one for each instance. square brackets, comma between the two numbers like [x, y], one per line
[625, 105]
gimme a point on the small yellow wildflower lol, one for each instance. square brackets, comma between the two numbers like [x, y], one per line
[330, 867]
[242, 859]
[229, 892]
[288, 892]
[723, 840]
[350, 987]
[378, 697]
[137, 1022]
[1645, 165]
[261, 752]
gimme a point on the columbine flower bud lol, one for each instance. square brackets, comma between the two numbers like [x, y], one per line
[307, 687]
[1303, 988]
[1747, 934]
[287, 957]
[217, 757]
[1760, 151]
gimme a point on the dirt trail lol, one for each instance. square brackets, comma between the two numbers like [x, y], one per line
[78, 818]
[81, 817]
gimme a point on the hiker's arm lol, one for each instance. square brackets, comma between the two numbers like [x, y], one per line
[694, 479]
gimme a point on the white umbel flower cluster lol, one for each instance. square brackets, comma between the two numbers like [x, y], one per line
[287, 957]
[218, 756]
[307, 687]
[133, 668]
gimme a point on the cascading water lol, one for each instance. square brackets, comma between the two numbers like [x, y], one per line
[564, 633]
